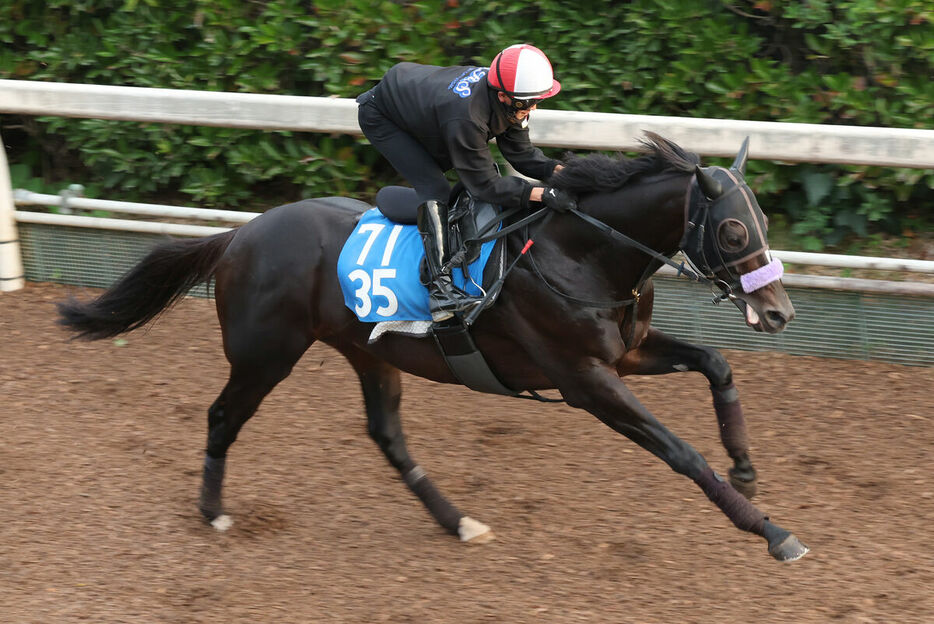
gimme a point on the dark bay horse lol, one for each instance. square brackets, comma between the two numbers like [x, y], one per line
[574, 315]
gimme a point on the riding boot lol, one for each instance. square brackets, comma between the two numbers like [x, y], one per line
[444, 299]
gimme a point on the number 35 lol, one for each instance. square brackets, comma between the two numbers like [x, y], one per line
[378, 289]
[373, 287]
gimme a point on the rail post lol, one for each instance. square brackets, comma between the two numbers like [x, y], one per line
[11, 259]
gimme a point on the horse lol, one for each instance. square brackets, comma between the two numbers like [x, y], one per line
[573, 315]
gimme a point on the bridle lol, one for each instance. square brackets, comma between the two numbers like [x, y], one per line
[740, 232]
[710, 261]
[696, 244]
[706, 254]
[698, 209]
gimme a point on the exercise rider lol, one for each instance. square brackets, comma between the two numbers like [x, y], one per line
[427, 120]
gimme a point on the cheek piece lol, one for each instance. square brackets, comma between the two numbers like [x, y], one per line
[763, 276]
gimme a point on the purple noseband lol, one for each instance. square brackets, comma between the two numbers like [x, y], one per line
[754, 280]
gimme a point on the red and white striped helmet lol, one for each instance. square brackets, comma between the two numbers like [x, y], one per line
[523, 72]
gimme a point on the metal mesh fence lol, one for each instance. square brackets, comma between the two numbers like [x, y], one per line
[85, 256]
[829, 323]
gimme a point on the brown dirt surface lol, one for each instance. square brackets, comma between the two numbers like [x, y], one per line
[101, 450]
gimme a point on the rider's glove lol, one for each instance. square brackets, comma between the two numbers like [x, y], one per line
[558, 200]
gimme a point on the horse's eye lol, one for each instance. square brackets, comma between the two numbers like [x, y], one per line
[732, 235]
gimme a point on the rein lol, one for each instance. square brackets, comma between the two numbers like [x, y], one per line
[545, 213]
[697, 220]
[695, 276]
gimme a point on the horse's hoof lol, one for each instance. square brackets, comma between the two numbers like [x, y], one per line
[222, 522]
[746, 487]
[789, 549]
[218, 520]
[473, 532]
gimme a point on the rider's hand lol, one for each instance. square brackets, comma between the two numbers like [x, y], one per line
[558, 200]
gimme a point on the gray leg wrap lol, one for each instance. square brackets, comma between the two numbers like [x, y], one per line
[443, 511]
[212, 484]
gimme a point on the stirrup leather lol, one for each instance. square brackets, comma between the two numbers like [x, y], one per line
[444, 298]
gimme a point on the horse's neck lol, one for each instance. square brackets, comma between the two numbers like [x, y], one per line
[651, 212]
[593, 264]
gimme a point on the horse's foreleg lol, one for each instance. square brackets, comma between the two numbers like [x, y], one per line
[660, 354]
[598, 389]
[734, 438]
[381, 394]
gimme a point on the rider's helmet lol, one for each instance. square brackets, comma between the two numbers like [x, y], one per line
[524, 73]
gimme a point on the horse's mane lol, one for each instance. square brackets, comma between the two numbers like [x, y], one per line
[598, 172]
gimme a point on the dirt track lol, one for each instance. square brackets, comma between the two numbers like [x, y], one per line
[101, 447]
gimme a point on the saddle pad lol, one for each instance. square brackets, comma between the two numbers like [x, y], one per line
[378, 269]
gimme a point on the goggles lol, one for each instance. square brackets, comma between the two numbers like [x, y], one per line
[520, 105]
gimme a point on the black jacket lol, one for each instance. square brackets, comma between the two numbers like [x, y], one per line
[454, 114]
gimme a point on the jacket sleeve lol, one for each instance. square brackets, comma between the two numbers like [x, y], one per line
[528, 160]
[473, 162]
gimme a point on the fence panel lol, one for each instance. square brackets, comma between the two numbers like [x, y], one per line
[829, 323]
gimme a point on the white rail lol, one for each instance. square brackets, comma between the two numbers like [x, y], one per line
[791, 142]
[123, 225]
[853, 284]
[855, 262]
[23, 197]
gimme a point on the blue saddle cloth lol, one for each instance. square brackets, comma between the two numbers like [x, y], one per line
[378, 269]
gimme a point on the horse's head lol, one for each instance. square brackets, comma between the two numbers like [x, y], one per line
[725, 239]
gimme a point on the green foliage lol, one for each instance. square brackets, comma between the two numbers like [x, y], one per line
[283, 46]
[855, 62]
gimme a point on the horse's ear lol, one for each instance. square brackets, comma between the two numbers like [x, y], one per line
[740, 163]
[708, 186]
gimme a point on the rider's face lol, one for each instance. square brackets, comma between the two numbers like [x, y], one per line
[519, 113]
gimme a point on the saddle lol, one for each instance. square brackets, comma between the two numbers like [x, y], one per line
[467, 218]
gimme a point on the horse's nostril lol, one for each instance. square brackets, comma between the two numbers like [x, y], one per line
[776, 318]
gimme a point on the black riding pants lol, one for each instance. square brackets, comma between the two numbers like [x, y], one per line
[403, 152]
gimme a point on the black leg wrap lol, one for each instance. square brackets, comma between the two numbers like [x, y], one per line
[443, 511]
[731, 420]
[740, 511]
[211, 486]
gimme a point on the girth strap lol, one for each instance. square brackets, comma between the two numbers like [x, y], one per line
[465, 361]
[469, 366]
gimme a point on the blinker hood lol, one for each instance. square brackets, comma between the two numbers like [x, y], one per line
[729, 227]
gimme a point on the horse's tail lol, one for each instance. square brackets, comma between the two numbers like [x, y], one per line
[156, 283]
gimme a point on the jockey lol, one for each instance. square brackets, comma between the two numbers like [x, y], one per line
[427, 120]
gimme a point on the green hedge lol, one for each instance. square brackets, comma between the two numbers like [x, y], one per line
[855, 62]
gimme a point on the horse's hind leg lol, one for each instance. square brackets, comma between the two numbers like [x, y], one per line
[381, 395]
[659, 354]
[255, 370]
